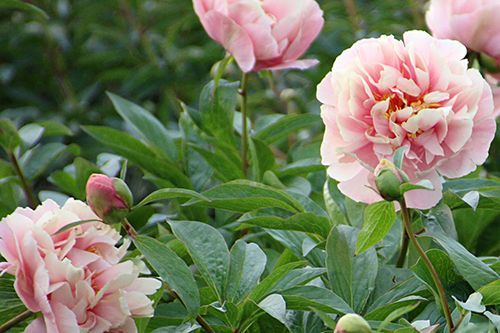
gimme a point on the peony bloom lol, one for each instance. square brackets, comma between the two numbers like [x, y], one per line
[109, 198]
[263, 34]
[383, 94]
[474, 23]
[74, 277]
[494, 81]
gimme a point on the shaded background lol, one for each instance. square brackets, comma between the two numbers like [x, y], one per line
[153, 52]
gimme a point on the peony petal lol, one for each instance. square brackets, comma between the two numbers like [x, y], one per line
[233, 37]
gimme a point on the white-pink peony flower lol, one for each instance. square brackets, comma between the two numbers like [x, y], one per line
[75, 277]
[383, 94]
[474, 23]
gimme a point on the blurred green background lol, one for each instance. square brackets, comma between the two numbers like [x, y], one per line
[153, 52]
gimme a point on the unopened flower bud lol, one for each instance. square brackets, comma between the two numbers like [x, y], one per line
[388, 179]
[352, 323]
[109, 198]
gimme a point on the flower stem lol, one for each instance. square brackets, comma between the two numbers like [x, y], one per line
[352, 12]
[16, 320]
[28, 192]
[404, 249]
[244, 123]
[428, 263]
[129, 228]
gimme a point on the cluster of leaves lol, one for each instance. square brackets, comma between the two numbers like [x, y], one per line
[274, 249]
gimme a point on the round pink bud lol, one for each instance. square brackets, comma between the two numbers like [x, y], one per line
[108, 197]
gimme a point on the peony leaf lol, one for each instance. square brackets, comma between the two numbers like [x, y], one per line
[170, 193]
[146, 124]
[351, 276]
[208, 250]
[378, 220]
[424, 184]
[172, 270]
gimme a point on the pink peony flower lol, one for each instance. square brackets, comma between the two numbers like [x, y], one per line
[383, 94]
[494, 81]
[74, 277]
[263, 34]
[474, 23]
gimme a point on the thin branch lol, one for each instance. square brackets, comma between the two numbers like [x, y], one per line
[16, 320]
[428, 263]
[28, 191]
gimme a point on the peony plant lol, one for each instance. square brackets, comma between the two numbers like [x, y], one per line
[227, 198]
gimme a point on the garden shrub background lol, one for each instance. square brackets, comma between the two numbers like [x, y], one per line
[55, 72]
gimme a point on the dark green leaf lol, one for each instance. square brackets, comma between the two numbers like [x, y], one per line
[266, 286]
[305, 222]
[307, 298]
[138, 153]
[173, 271]
[170, 193]
[244, 196]
[208, 250]
[9, 138]
[351, 277]
[301, 167]
[285, 126]
[38, 160]
[146, 124]
[217, 107]
[247, 263]
[225, 168]
[443, 265]
[474, 271]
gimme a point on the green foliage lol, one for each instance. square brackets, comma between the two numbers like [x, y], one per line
[275, 249]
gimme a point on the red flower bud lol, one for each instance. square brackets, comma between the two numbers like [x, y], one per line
[109, 198]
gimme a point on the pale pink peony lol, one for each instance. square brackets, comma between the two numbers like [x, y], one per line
[263, 34]
[475, 23]
[75, 277]
[494, 81]
[383, 94]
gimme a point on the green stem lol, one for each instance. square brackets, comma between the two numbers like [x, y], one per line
[28, 192]
[352, 12]
[428, 263]
[16, 320]
[404, 249]
[244, 123]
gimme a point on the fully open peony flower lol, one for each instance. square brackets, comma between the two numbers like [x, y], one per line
[75, 277]
[383, 94]
[263, 34]
[474, 23]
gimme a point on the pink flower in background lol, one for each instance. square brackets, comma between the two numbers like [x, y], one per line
[475, 23]
[383, 94]
[494, 81]
[263, 34]
[74, 277]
